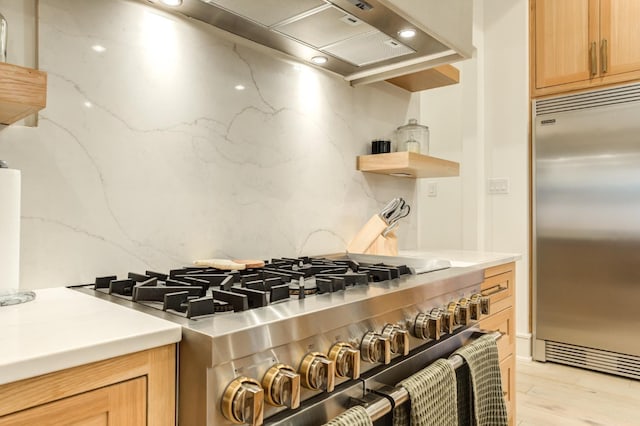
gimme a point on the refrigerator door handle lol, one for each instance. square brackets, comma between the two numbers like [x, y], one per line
[594, 59]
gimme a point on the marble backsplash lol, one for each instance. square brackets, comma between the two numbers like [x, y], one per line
[165, 140]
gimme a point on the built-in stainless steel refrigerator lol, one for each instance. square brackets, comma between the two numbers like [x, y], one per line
[586, 223]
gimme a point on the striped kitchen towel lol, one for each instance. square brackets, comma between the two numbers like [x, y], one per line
[481, 356]
[432, 397]
[354, 416]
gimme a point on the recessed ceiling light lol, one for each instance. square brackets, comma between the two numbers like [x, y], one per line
[88, 104]
[98, 48]
[172, 3]
[407, 33]
[319, 60]
[239, 87]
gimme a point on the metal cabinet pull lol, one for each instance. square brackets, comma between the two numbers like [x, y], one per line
[494, 290]
[603, 55]
[594, 59]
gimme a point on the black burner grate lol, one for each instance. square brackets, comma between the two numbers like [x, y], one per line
[194, 292]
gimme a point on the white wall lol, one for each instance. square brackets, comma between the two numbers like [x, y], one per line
[147, 157]
[483, 123]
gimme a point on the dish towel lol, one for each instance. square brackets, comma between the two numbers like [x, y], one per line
[481, 356]
[432, 397]
[354, 416]
[463, 384]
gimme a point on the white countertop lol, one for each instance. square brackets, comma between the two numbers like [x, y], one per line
[64, 328]
[465, 258]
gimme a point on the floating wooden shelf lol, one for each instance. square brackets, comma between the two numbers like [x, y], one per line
[431, 78]
[408, 164]
[23, 91]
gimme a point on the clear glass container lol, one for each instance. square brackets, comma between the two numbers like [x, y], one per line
[3, 39]
[15, 297]
[413, 137]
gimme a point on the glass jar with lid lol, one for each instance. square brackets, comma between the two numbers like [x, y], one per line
[413, 137]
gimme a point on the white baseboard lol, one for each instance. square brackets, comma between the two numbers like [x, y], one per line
[523, 345]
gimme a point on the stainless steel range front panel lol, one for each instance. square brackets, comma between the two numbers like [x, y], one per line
[284, 333]
[587, 222]
[217, 349]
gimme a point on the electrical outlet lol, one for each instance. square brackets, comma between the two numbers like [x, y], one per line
[432, 189]
[498, 186]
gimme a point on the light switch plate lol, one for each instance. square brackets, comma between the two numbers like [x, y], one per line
[498, 186]
[432, 189]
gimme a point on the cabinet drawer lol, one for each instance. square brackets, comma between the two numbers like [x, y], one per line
[500, 269]
[504, 322]
[499, 288]
[507, 372]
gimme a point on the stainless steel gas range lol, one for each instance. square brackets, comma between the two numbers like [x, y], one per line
[301, 339]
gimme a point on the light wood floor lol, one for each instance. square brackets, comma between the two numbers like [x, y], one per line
[554, 394]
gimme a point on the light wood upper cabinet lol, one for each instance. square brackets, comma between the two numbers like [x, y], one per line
[578, 44]
[619, 36]
[562, 41]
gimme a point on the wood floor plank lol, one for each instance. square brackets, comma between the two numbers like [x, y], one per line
[554, 394]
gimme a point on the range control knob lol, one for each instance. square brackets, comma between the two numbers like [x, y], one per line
[375, 348]
[243, 402]
[428, 325]
[464, 311]
[398, 339]
[460, 312]
[346, 359]
[448, 323]
[317, 372]
[282, 386]
[479, 305]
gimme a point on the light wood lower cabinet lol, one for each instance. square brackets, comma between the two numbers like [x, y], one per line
[135, 389]
[502, 322]
[499, 285]
[120, 404]
[508, 373]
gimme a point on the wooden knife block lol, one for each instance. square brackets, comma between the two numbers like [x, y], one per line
[369, 239]
[386, 246]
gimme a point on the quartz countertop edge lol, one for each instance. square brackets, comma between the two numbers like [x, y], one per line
[63, 328]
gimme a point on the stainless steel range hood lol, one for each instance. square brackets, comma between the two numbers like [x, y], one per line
[360, 39]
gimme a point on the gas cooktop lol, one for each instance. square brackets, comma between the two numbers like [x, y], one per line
[197, 292]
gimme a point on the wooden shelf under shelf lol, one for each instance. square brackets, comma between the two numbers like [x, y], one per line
[407, 164]
[23, 91]
[443, 75]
